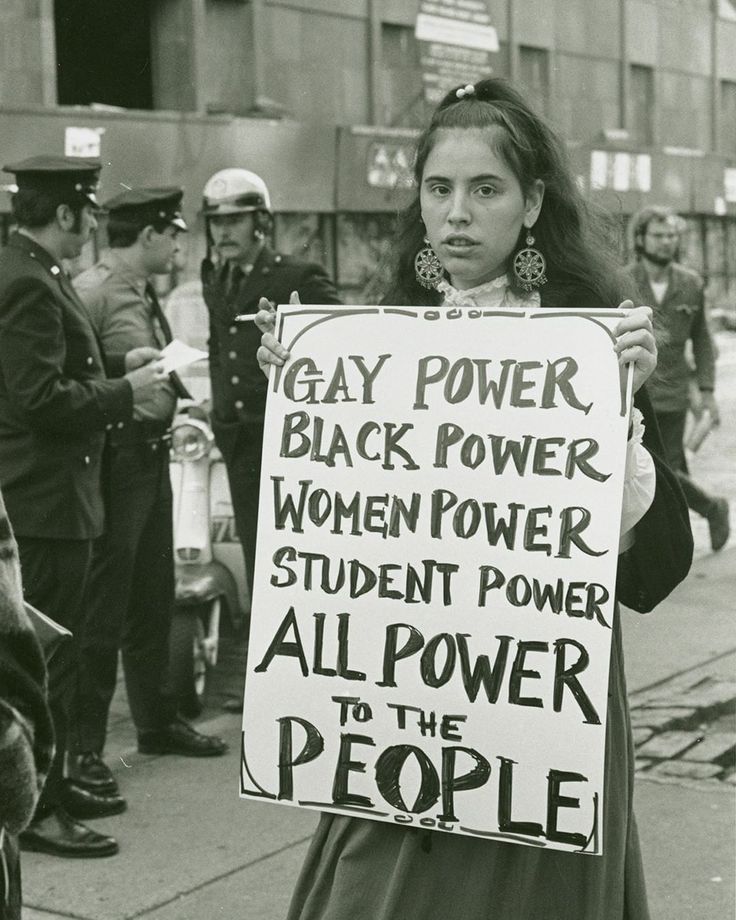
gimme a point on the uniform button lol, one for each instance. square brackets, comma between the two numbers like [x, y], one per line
[86, 461]
[233, 355]
[108, 427]
[154, 446]
[121, 424]
[233, 330]
[239, 403]
[235, 379]
[90, 359]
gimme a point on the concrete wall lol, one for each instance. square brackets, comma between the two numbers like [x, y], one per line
[320, 60]
[227, 71]
[26, 52]
[316, 60]
[174, 55]
[157, 149]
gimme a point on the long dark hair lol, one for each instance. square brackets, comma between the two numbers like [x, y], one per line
[575, 239]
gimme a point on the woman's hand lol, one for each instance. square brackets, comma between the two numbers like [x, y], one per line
[635, 344]
[270, 351]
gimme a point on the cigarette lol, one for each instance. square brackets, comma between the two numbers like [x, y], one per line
[245, 318]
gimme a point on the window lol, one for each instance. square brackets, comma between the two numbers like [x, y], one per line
[641, 89]
[534, 75]
[728, 117]
[104, 55]
[403, 94]
[731, 261]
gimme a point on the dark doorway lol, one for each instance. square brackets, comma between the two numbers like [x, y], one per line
[103, 52]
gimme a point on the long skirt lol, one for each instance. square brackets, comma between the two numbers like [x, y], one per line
[368, 870]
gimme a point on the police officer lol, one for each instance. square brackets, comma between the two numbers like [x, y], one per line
[131, 595]
[56, 406]
[243, 269]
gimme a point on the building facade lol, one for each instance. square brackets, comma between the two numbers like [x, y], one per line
[323, 98]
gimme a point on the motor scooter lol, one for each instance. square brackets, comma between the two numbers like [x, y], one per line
[211, 585]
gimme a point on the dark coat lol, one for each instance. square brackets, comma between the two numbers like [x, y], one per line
[432, 876]
[56, 402]
[662, 552]
[26, 733]
[238, 384]
[679, 318]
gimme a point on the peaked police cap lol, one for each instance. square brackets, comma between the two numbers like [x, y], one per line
[75, 177]
[144, 206]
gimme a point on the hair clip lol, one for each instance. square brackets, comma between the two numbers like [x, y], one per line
[467, 90]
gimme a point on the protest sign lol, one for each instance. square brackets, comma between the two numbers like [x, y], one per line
[434, 589]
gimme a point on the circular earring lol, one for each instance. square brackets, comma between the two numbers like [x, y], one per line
[529, 266]
[427, 267]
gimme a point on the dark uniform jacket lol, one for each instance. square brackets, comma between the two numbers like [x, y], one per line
[238, 384]
[679, 318]
[56, 402]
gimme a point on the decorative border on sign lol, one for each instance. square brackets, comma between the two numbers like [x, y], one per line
[451, 314]
[262, 794]
[325, 316]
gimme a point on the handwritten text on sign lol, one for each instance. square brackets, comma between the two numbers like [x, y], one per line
[437, 545]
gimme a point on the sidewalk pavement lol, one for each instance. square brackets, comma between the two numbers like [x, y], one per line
[686, 824]
[191, 850]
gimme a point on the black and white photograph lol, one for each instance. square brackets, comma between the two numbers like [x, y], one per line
[367, 452]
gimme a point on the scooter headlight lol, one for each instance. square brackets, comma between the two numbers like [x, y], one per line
[191, 440]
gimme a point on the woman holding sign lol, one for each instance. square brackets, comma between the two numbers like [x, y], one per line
[498, 222]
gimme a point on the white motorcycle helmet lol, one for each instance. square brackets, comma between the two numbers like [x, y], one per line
[235, 191]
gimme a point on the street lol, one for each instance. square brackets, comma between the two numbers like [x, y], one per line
[190, 849]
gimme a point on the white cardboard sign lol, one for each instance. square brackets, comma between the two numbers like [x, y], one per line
[437, 546]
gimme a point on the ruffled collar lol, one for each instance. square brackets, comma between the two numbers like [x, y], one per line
[494, 294]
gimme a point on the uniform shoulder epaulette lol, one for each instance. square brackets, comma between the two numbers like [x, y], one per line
[92, 277]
